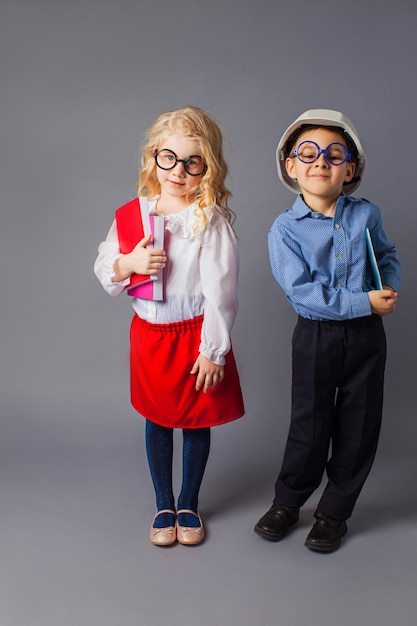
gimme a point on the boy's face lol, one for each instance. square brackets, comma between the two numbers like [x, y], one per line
[320, 180]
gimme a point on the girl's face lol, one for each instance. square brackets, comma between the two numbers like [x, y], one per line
[320, 179]
[176, 183]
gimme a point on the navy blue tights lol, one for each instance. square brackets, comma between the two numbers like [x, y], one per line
[159, 448]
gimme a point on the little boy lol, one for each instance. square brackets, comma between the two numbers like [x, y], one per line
[319, 257]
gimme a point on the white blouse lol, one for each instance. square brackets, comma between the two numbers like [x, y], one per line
[200, 277]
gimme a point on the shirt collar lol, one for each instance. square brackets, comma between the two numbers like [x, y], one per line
[301, 210]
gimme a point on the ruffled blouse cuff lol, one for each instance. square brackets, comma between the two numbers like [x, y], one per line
[214, 355]
[104, 270]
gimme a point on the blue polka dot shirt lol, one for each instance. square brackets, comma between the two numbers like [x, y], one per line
[321, 262]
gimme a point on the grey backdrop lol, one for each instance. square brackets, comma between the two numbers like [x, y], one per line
[80, 83]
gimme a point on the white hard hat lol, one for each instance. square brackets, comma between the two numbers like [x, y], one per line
[322, 117]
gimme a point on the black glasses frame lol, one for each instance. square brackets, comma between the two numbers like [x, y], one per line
[177, 160]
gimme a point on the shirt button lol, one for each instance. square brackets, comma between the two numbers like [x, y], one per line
[340, 255]
[340, 284]
[337, 226]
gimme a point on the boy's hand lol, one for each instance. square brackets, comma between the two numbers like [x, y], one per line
[383, 301]
[208, 373]
[139, 261]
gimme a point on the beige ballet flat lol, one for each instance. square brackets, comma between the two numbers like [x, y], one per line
[187, 535]
[163, 536]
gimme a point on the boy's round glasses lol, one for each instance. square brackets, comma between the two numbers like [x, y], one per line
[167, 160]
[308, 152]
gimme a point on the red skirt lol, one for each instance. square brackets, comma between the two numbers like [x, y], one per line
[162, 388]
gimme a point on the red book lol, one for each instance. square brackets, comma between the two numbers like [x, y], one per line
[133, 224]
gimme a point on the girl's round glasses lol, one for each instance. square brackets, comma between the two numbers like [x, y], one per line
[167, 160]
[308, 152]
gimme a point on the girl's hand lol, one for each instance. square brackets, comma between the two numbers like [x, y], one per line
[144, 261]
[208, 373]
[383, 301]
[139, 261]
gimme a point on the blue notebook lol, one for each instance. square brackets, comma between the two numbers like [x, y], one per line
[372, 258]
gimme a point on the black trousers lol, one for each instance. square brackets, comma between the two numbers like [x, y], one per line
[337, 394]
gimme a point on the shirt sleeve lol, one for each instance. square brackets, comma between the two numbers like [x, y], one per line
[108, 253]
[219, 266]
[310, 298]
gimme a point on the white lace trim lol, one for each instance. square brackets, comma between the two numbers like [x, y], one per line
[182, 223]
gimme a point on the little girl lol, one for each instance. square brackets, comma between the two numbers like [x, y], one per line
[183, 372]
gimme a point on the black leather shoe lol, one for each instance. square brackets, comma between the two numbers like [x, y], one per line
[276, 522]
[326, 534]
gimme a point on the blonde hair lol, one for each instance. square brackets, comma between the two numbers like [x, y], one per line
[211, 190]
